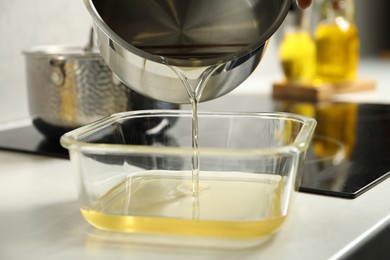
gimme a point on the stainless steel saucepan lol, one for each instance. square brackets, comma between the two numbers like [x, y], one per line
[138, 38]
[72, 86]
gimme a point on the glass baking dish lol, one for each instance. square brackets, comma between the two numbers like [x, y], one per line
[133, 172]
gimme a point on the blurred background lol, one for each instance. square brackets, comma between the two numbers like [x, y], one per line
[24, 24]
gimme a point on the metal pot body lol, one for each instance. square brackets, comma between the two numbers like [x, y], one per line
[68, 88]
[139, 38]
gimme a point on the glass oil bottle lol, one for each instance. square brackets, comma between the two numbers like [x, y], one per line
[297, 50]
[337, 42]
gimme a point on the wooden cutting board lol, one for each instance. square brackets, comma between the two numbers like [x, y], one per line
[321, 92]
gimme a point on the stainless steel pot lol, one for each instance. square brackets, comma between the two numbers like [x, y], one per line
[138, 38]
[69, 87]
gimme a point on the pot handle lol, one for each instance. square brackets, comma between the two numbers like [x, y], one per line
[58, 74]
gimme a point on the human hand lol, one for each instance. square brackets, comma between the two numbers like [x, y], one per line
[304, 3]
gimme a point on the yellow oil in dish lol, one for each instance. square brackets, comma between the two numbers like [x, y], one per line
[244, 206]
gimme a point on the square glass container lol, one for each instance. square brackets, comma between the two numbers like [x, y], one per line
[133, 171]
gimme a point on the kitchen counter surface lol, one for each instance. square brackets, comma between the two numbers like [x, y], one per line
[40, 219]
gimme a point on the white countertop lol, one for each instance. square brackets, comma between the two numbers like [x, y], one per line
[40, 219]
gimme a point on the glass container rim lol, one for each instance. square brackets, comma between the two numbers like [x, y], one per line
[71, 140]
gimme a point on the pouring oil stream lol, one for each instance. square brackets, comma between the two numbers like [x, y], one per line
[195, 87]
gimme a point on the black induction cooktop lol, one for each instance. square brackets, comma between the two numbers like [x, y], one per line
[28, 140]
[363, 134]
[349, 154]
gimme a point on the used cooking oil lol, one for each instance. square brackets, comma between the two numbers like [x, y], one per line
[337, 42]
[243, 206]
[202, 75]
